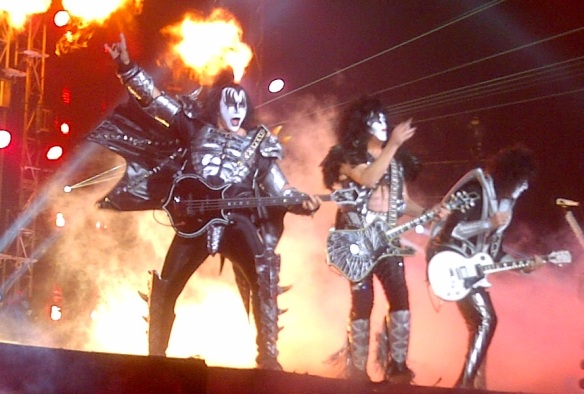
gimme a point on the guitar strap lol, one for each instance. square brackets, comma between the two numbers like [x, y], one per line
[248, 153]
[394, 187]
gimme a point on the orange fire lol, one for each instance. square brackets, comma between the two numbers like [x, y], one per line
[211, 45]
[16, 13]
[85, 15]
[93, 12]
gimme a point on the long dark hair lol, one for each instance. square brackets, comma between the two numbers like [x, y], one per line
[352, 132]
[510, 167]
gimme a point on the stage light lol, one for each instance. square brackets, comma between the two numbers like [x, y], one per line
[5, 138]
[61, 18]
[276, 85]
[56, 313]
[54, 152]
[65, 128]
[66, 95]
[60, 220]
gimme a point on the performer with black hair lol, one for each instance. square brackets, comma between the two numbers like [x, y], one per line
[373, 159]
[190, 155]
[480, 229]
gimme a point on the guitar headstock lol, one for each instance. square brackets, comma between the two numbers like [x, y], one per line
[461, 201]
[559, 257]
[347, 196]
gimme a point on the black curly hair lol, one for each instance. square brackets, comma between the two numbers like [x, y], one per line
[510, 167]
[352, 134]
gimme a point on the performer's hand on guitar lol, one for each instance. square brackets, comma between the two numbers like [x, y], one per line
[500, 219]
[119, 51]
[313, 204]
[441, 213]
[538, 261]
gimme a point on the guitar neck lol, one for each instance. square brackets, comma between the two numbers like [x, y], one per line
[507, 266]
[402, 228]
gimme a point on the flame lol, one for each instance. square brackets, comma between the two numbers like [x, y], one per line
[211, 45]
[93, 12]
[85, 16]
[16, 13]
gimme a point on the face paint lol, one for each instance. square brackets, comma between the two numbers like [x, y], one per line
[377, 124]
[520, 189]
[232, 108]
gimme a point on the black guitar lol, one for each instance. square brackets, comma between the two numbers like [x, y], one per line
[354, 253]
[193, 204]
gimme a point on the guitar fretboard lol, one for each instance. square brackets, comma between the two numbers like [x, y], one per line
[402, 228]
[506, 266]
[250, 202]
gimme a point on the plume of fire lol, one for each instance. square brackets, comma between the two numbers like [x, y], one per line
[74, 39]
[211, 45]
[89, 12]
[16, 13]
[85, 16]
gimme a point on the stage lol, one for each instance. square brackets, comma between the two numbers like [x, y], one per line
[31, 369]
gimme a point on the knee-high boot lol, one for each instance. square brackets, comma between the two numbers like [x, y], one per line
[398, 331]
[266, 310]
[358, 349]
[160, 315]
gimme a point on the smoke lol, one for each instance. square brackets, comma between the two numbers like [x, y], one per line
[537, 346]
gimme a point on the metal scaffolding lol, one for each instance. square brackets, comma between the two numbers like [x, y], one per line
[23, 55]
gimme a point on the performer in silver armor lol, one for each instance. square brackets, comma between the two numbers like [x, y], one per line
[371, 158]
[481, 229]
[208, 134]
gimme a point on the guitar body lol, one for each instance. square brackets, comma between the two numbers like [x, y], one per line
[187, 219]
[354, 253]
[452, 276]
[193, 205]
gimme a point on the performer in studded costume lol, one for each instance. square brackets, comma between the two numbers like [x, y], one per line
[209, 134]
[371, 158]
[481, 229]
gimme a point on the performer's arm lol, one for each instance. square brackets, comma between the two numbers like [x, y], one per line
[141, 86]
[412, 207]
[467, 229]
[276, 184]
[369, 175]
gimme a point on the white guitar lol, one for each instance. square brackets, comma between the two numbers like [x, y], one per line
[452, 276]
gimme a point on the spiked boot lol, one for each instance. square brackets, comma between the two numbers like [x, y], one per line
[160, 316]
[267, 312]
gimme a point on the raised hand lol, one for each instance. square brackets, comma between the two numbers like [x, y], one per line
[119, 51]
[402, 132]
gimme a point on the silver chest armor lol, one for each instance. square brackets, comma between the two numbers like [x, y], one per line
[216, 153]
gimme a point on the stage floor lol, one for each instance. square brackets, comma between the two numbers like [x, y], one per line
[31, 369]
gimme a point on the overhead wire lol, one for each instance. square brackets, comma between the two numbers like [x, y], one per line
[464, 16]
[491, 87]
[499, 85]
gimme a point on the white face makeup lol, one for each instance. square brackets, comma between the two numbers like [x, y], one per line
[378, 126]
[233, 108]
